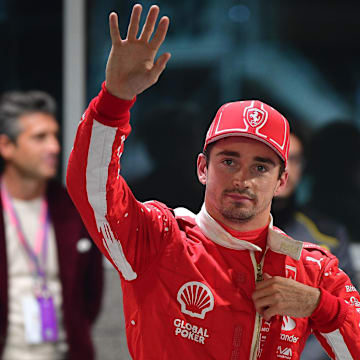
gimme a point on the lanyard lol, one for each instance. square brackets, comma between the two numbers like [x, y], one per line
[41, 240]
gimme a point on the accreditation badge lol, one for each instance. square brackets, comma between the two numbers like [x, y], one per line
[48, 318]
[39, 319]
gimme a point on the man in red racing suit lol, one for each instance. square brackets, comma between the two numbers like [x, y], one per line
[222, 284]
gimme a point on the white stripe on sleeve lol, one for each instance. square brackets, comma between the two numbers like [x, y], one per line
[99, 157]
[338, 346]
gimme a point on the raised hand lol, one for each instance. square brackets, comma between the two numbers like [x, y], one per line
[131, 66]
[280, 296]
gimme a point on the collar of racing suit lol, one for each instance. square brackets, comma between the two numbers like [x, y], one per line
[277, 241]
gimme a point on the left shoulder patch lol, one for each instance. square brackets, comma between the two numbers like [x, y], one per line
[312, 248]
[283, 244]
[315, 255]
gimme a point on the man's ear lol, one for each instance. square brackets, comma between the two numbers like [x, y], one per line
[201, 168]
[281, 183]
[6, 147]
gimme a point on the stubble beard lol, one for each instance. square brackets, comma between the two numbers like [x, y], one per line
[237, 213]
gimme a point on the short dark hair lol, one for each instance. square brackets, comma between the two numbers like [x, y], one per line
[14, 104]
[208, 149]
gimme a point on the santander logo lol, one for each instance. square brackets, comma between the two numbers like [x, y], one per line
[288, 324]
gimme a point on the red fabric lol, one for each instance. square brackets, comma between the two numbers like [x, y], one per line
[164, 259]
[330, 311]
[255, 119]
[112, 108]
[257, 237]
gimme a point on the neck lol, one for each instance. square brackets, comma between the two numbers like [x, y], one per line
[245, 226]
[23, 188]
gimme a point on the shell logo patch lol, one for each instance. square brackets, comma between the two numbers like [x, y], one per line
[195, 299]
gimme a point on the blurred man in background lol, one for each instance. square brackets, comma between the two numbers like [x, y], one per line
[334, 166]
[50, 273]
[335, 169]
[308, 224]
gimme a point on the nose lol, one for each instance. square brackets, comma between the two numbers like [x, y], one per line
[241, 179]
[54, 145]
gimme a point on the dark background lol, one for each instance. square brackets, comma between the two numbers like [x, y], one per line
[300, 56]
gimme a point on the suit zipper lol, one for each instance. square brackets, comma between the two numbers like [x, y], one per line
[258, 267]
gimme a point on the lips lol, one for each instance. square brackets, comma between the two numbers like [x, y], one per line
[51, 160]
[239, 197]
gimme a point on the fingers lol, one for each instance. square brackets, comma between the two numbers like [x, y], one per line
[133, 27]
[149, 25]
[268, 313]
[160, 65]
[282, 296]
[162, 61]
[160, 33]
[267, 282]
[264, 301]
[114, 28]
[266, 295]
[268, 306]
[266, 276]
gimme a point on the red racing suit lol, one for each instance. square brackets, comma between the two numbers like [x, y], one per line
[187, 283]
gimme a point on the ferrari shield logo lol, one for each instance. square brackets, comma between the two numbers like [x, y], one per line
[255, 117]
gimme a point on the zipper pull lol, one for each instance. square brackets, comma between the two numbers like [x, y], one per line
[259, 275]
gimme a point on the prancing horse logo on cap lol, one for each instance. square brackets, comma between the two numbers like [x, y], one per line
[255, 117]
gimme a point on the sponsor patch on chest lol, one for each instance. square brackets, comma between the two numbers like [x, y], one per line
[190, 331]
[284, 353]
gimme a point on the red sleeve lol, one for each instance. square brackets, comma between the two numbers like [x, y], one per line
[336, 320]
[330, 312]
[110, 110]
[129, 233]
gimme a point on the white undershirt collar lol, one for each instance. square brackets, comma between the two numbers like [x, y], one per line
[277, 241]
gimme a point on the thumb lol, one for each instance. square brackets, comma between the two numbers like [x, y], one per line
[266, 276]
[160, 65]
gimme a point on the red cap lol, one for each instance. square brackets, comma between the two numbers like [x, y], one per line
[254, 119]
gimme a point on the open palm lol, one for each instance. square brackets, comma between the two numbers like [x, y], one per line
[131, 66]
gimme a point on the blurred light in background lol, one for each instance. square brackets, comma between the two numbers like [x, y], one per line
[2, 11]
[239, 13]
[298, 55]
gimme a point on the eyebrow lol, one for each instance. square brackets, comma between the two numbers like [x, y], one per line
[228, 153]
[265, 160]
[261, 159]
